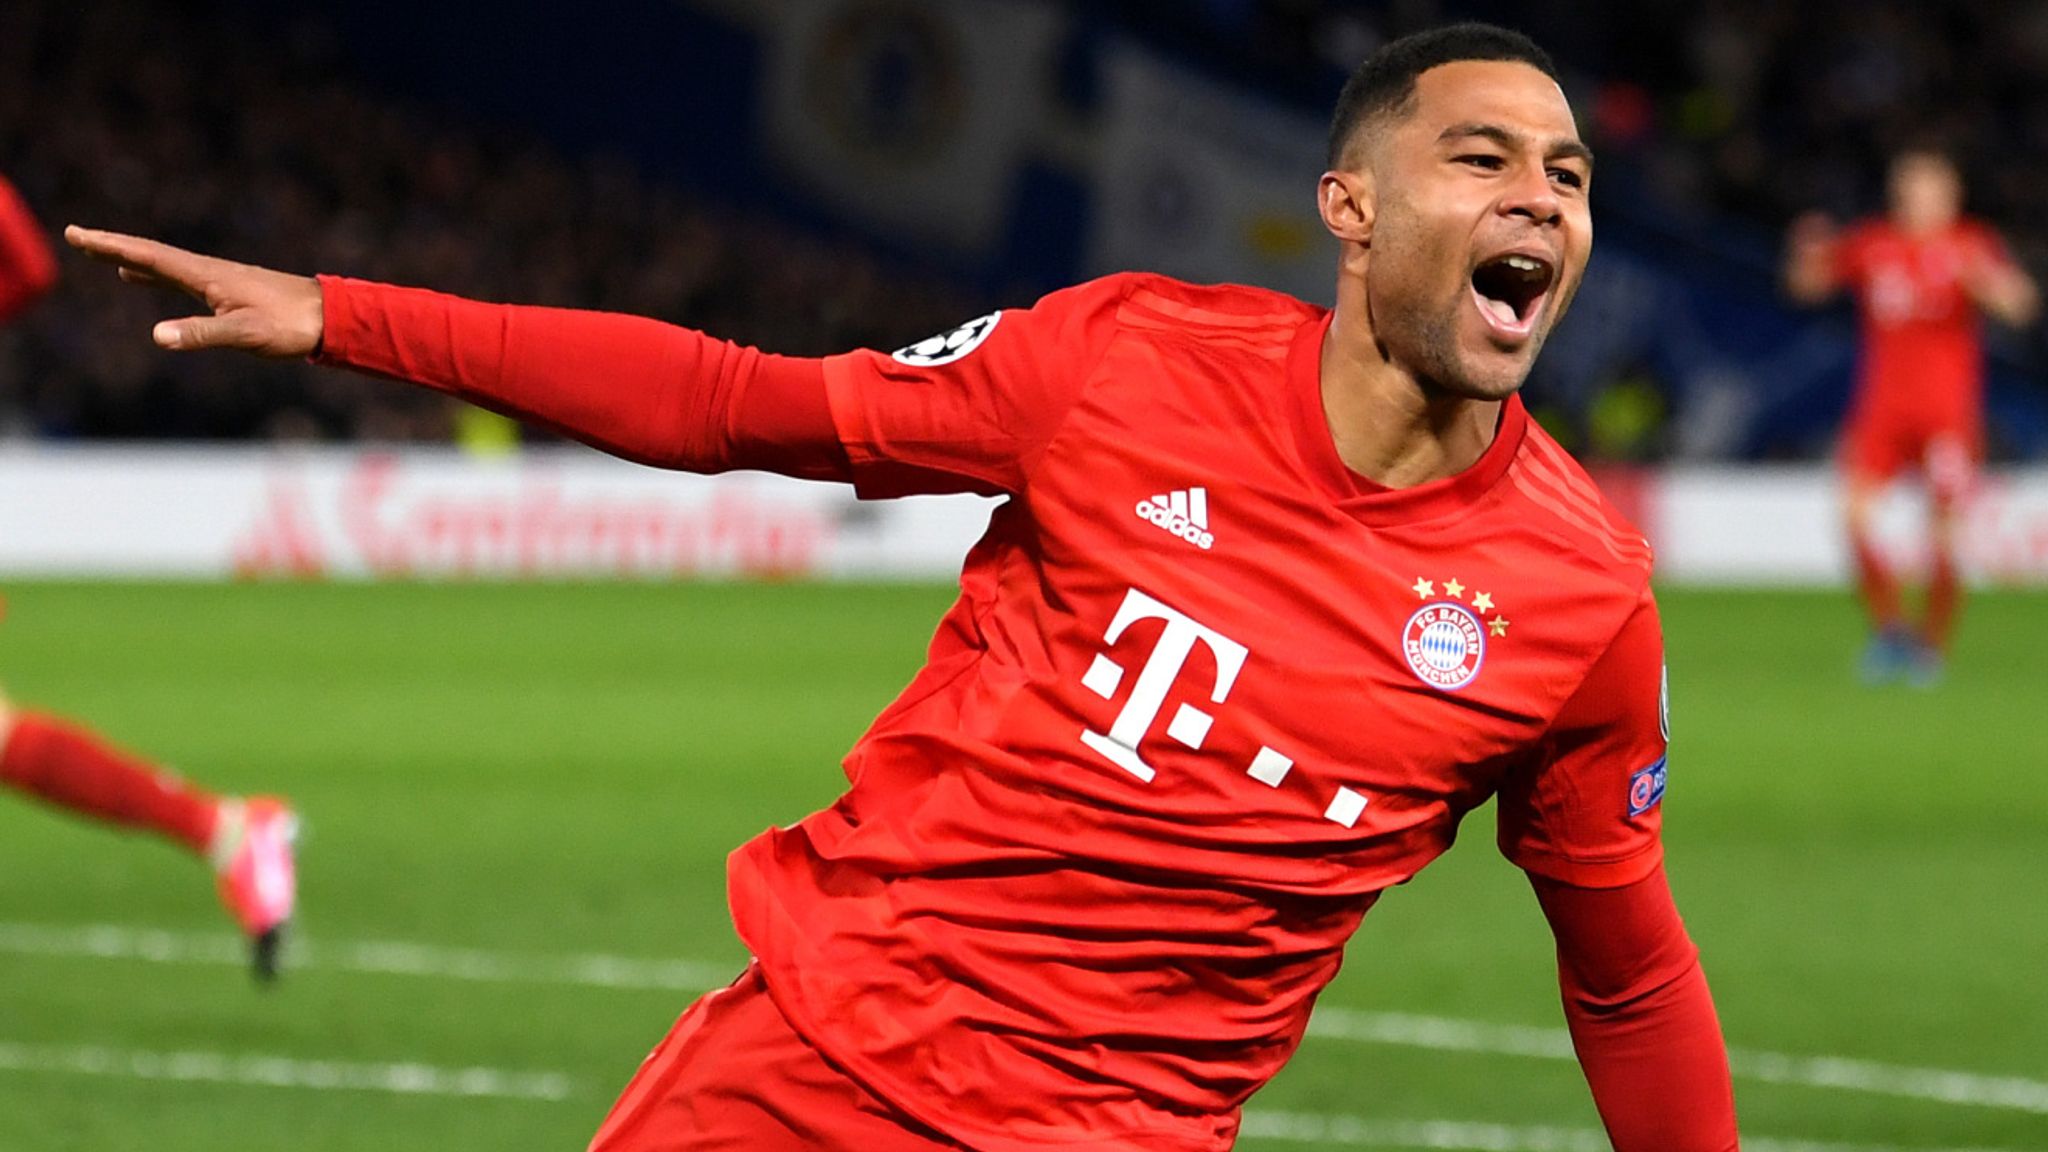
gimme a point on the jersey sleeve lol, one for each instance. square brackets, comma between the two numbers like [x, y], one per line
[971, 410]
[646, 391]
[1587, 808]
[1641, 1015]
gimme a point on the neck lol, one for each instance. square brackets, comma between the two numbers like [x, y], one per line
[1920, 225]
[1390, 426]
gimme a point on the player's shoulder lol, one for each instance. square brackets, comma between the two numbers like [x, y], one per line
[1221, 308]
[1560, 502]
[1151, 300]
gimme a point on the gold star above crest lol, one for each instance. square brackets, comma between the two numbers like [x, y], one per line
[1483, 601]
[1424, 588]
[1498, 625]
[1454, 590]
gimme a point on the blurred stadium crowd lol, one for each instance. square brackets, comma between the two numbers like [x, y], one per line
[1718, 119]
[158, 118]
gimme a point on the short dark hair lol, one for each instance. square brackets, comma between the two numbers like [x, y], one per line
[1386, 81]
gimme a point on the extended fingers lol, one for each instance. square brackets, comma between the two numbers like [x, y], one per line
[150, 257]
[113, 247]
[255, 309]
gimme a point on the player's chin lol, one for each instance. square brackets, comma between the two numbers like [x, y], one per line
[1490, 368]
[1487, 381]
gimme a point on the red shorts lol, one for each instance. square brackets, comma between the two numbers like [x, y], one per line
[1880, 444]
[733, 1076]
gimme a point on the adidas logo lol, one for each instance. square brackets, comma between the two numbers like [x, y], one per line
[1183, 512]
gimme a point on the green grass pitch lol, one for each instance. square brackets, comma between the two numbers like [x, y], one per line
[555, 769]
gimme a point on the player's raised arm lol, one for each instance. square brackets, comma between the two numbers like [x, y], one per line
[1811, 247]
[636, 388]
[2000, 286]
[967, 410]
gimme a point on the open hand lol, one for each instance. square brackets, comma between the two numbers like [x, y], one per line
[253, 309]
[1812, 231]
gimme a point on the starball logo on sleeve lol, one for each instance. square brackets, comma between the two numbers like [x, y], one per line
[947, 347]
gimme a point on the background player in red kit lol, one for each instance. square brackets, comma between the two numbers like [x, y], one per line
[248, 842]
[1920, 276]
[1277, 596]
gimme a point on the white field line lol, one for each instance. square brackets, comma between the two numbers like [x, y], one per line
[1470, 1136]
[595, 970]
[406, 1079]
[2015, 1093]
[412, 1079]
[392, 958]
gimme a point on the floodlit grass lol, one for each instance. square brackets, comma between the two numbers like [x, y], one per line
[543, 770]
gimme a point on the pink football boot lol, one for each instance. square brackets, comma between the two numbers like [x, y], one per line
[252, 856]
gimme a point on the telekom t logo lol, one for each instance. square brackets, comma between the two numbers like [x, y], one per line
[1190, 725]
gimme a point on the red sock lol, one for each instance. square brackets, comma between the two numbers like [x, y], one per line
[1874, 582]
[1944, 598]
[71, 768]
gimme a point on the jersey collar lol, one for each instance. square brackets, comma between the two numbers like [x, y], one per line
[1367, 500]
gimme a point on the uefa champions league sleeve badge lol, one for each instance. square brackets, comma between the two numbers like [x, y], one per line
[1646, 787]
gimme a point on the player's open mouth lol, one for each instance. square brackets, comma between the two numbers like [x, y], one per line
[1510, 290]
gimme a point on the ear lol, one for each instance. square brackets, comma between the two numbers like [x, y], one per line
[1348, 206]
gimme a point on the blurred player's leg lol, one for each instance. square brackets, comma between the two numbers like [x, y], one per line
[1891, 642]
[1951, 472]
[732, 1076]
[64, 765]
[248, 843]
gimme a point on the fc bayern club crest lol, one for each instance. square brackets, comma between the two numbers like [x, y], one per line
[1445, 645]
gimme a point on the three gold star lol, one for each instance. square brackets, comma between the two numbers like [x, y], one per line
[1498, 625]
[1454, 590]
[1483, 601]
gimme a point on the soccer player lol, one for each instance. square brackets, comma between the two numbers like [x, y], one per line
[248, 841]
[1921, 275]
[1277, 596]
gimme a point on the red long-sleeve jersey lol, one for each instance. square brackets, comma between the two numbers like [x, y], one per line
[1205, 695]
[1922, 353]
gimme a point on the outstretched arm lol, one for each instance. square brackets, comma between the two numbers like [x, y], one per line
[28, 269]
[971, 410]
[636, 388]
[2001, 287]
[1810, 248]
[1641, 1017]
